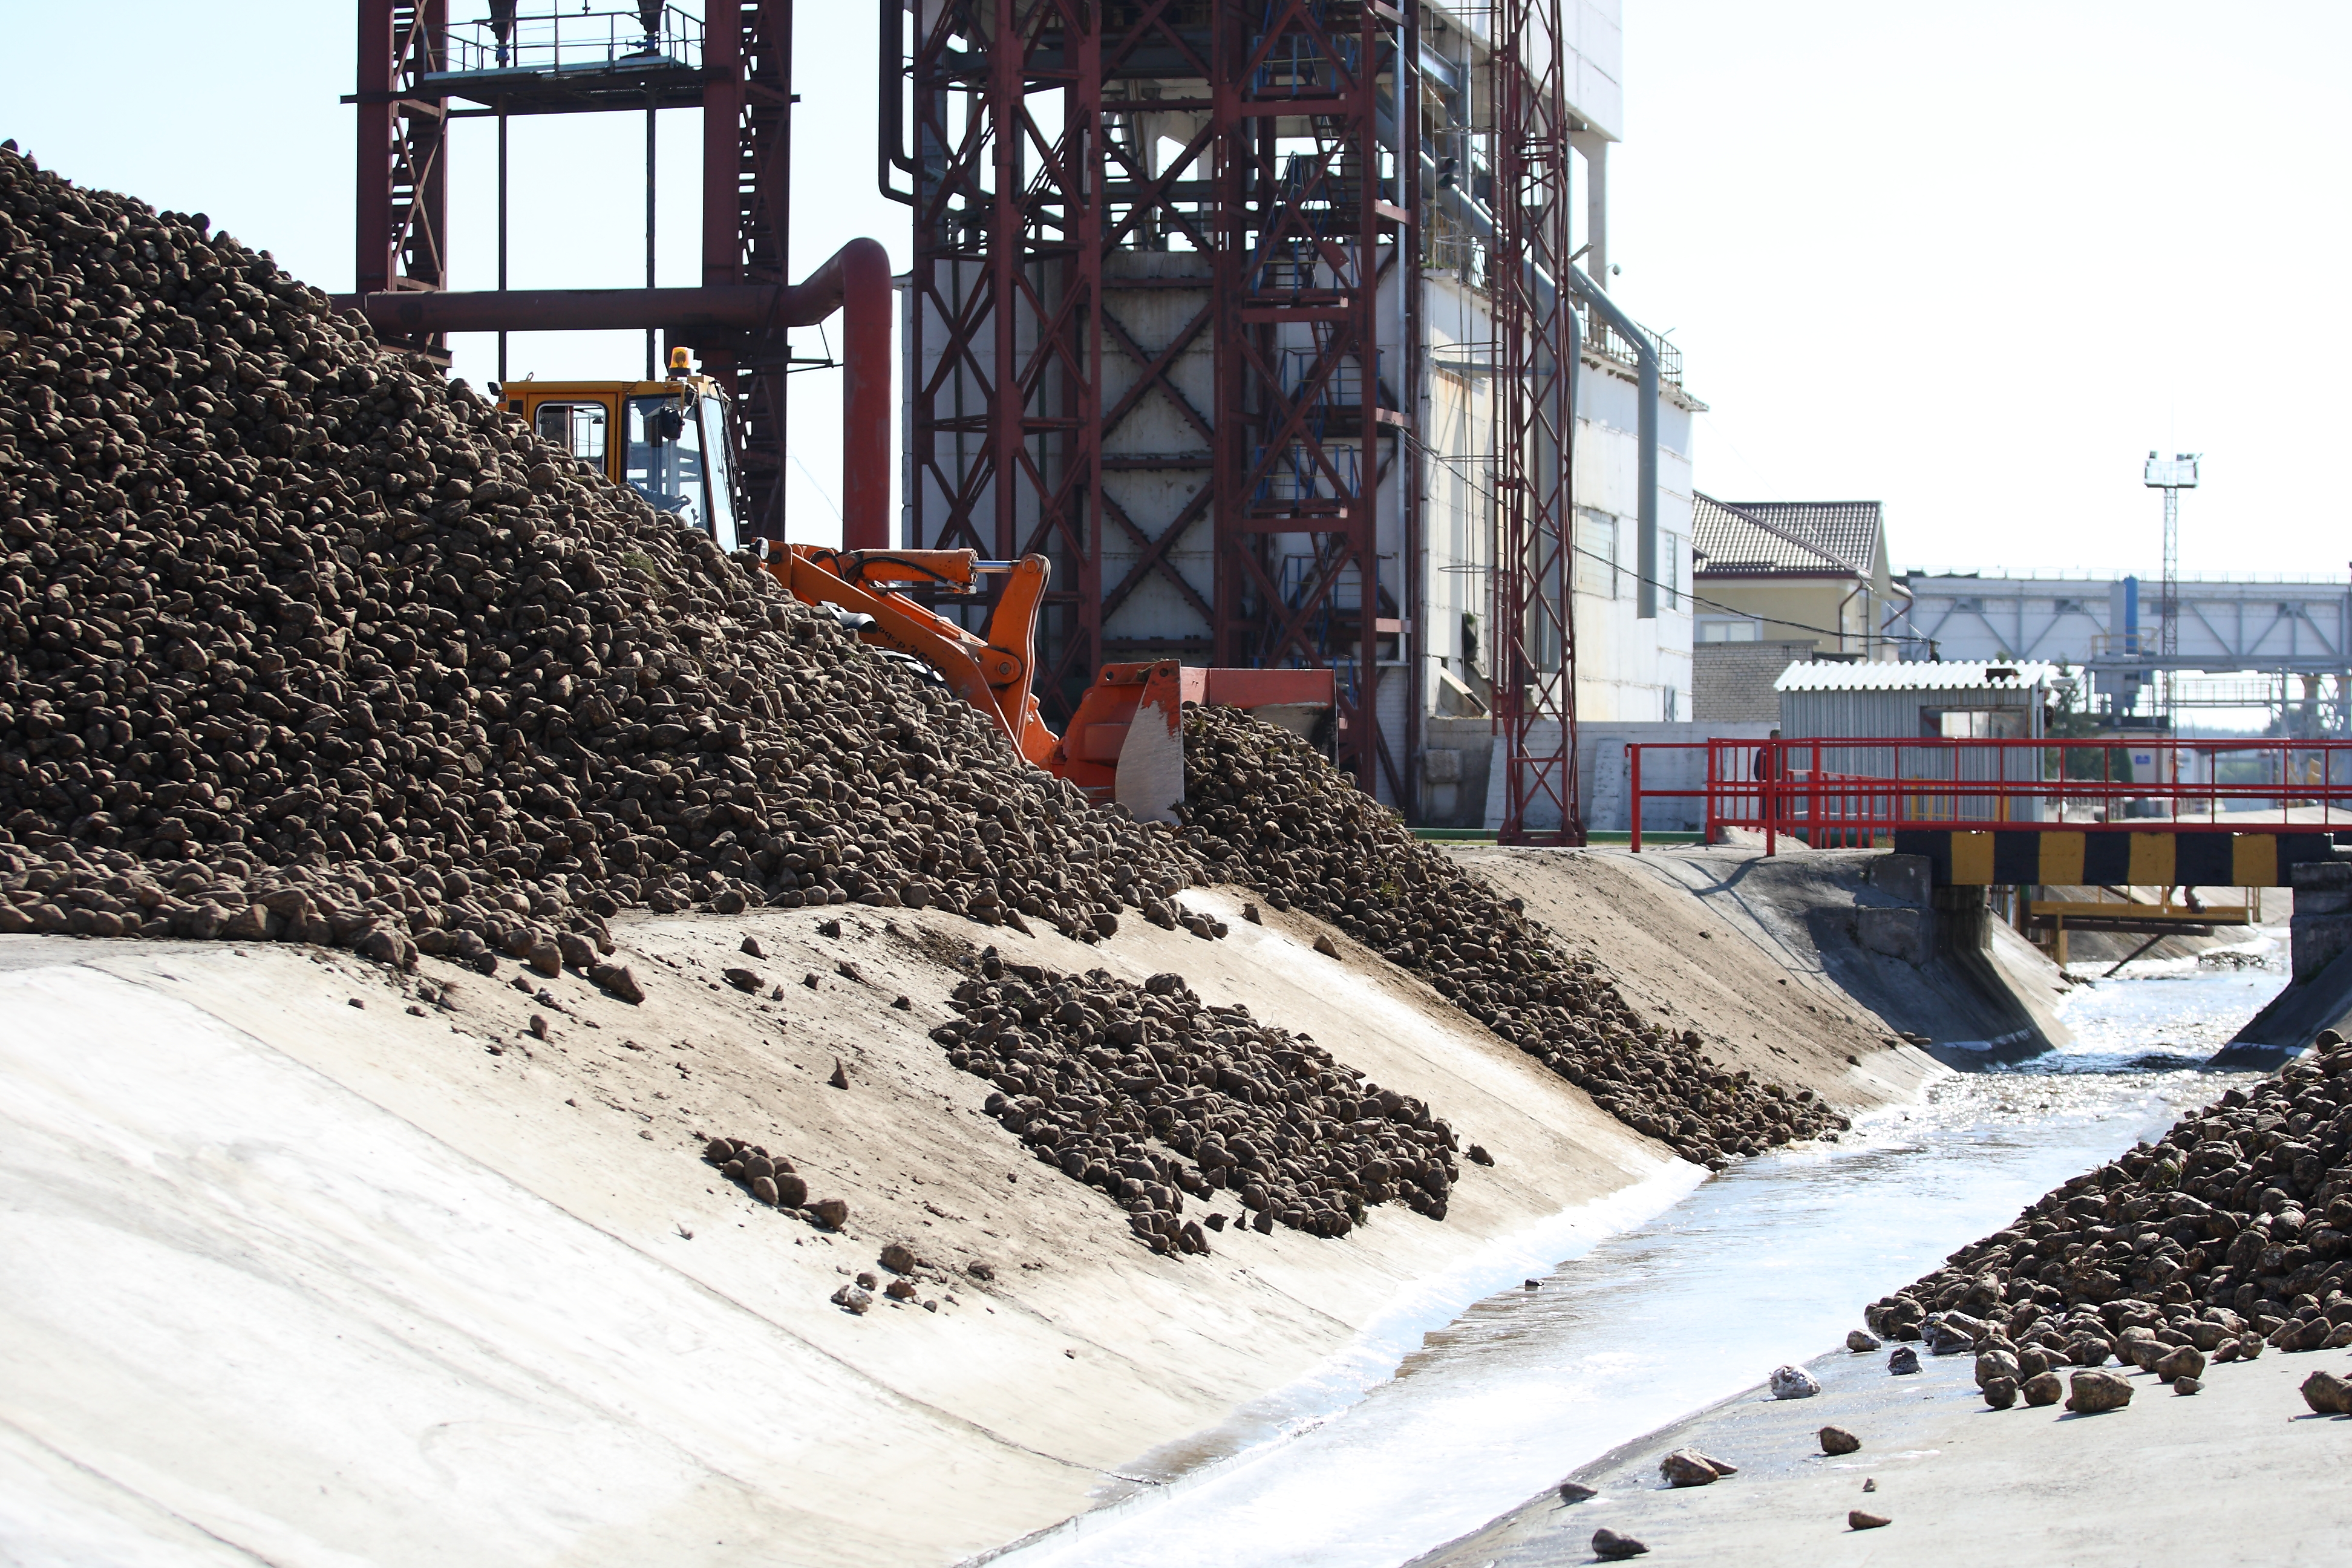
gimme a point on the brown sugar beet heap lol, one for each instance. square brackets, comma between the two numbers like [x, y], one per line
[1268, 811]
[2232, 1233]
[1148, 1094]
[298, 640]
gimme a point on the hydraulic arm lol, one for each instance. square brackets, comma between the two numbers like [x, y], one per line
[1124, 742]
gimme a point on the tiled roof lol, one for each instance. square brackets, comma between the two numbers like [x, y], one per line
[1788, 536]
[1849, 530]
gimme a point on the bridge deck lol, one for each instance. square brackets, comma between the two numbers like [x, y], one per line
[2011, 811]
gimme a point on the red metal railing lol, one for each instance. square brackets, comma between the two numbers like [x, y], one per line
[1839, 791]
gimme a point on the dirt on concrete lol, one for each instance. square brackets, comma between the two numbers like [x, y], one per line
[477, 1209]
[1043, 1348]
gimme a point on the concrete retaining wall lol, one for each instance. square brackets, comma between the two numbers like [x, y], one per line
[2318, 997]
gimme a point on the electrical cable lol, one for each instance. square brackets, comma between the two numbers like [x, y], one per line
[1868, 638]
[821, 494]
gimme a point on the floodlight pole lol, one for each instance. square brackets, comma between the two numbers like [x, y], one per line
[2167, 637]
[2171, 477]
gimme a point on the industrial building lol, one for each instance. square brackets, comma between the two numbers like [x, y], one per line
[1813, 572]
[1265, 324]
[1281, 331]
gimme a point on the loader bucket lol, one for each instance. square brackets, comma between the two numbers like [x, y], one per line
[1126, 742]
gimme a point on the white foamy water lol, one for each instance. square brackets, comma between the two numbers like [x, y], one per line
[2184, 1008]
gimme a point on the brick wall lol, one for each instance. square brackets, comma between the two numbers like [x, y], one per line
[1731, 682]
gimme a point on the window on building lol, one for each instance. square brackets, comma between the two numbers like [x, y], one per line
[1972, 723]
[1729, 631]
[1674, 578]
[1596, 554]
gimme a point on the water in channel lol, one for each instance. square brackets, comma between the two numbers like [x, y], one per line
[1771, 1261]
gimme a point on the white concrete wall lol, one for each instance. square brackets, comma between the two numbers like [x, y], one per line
[1154, 499]
[1458, 525]
[1596, 65]
[1628, 669]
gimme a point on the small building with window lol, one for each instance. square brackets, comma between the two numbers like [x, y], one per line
[1918, 701]
[1810, 572]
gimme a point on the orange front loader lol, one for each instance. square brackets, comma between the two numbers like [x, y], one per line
[1124, 742]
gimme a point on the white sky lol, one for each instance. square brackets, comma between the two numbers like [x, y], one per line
[1973, 263]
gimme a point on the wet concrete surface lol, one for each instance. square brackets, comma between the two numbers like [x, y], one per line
[2241, 1474]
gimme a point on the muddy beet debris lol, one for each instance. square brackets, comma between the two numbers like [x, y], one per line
[1266, 810]
[2231, 1235]
[772, 1180]
[1149, 1094]
[298, 640]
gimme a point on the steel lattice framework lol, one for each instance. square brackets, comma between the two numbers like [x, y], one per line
[1166, 330]
[1104, 193]
[403, 187]
[1535, 350]
[747, 158]
[1005, 389]
[742, 84]
[1300, 410]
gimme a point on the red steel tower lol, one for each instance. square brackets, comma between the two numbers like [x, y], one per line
[415, 72]
[1536, 357]
[1152, 242]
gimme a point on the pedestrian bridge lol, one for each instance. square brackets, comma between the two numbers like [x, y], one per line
[1985, 813]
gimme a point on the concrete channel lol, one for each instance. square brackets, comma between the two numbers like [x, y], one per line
[378, 1256]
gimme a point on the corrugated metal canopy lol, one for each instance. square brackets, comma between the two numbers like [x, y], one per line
[1829, 675]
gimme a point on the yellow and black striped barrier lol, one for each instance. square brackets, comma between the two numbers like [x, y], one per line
[2011, 857]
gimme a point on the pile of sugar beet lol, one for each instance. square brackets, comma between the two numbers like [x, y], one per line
[1265, 810]
[2232, 1232]
[301, 641]
[1092, 1071]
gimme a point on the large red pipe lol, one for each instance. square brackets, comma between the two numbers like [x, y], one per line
[856, 281]
[739, 307]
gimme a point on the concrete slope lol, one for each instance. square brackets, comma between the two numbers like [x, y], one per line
[1801, 958]
[293, 1279]
[2294, 1019]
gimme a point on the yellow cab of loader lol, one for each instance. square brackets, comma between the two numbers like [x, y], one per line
[667, 440]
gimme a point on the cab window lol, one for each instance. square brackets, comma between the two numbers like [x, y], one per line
[664, 456]
[577, 427]
[723, 524]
